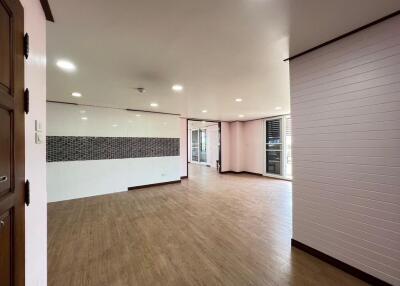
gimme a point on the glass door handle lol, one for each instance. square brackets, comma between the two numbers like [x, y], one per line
[3, 179]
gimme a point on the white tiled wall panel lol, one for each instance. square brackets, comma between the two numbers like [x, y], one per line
[76, 179]
[345, 104]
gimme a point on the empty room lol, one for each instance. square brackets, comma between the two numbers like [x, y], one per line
[184, 142]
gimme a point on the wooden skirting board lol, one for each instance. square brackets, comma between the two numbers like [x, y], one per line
[241, 172]
[340, 264]
[153, 185]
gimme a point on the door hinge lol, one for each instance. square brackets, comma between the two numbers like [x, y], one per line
[27, 193]
[26, 100]
[26, 45]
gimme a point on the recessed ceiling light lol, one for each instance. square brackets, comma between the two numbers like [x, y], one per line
[278, 108]
[241, 115]
[204, 111]
[238, 100]
[153, 104]
[203, 122]
[84, 118]
[66, 65]
[177, 87]
[115, 125]
[138, 115]
[76, 94]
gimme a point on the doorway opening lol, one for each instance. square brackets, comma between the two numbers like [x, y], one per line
[204, 144]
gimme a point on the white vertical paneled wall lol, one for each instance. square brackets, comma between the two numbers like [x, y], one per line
[76, 179]
[345, 104]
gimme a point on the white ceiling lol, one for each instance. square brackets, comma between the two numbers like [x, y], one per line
[218, 49]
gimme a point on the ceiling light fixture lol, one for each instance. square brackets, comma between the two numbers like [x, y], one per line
[238, 100]
[138, 115]
[115, 125]
[241, 115]
[204, 111]
[154, 104]
[84, 118]
[76, 94]
[177, 87]
[141, 89]
[278, 108]
[66, 65]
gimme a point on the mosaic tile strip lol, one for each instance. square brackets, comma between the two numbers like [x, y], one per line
[73, 148]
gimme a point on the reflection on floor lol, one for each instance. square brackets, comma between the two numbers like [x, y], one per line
[210, 230]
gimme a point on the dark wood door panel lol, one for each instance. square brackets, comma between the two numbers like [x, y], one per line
[6, 151]
[6, 47]
[12, 145]
[5, 249]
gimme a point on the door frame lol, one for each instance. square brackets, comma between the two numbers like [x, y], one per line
[219, 167]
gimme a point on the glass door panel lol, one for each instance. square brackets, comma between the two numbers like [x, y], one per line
[273, 147]
[274, 162]
[203, 145]
[195, 145]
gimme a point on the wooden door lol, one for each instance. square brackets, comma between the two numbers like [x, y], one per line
[12, 157]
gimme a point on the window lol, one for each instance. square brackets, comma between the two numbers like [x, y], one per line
[278, 141]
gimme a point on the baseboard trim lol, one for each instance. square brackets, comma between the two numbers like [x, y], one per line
[339, 264]
[184, 177]
[153, 185]
[241, 172]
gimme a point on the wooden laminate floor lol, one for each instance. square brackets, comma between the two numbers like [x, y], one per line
[210, 230]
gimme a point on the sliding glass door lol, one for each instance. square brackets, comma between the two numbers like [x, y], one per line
[278, 141]
[199, 146]
[273, 155]
[195, 145]
[203, 145]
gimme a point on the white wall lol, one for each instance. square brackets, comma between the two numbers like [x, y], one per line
[35, 154]
[345, 104]
[75, 179]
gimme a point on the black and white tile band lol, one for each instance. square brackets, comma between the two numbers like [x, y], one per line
[79, 148]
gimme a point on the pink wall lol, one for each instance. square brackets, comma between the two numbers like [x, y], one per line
[183, 147]
[253, 146]
[225, 146]
[35, 164]
[212, 145]
[236, 146]
[346, 150]
[242, 146]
